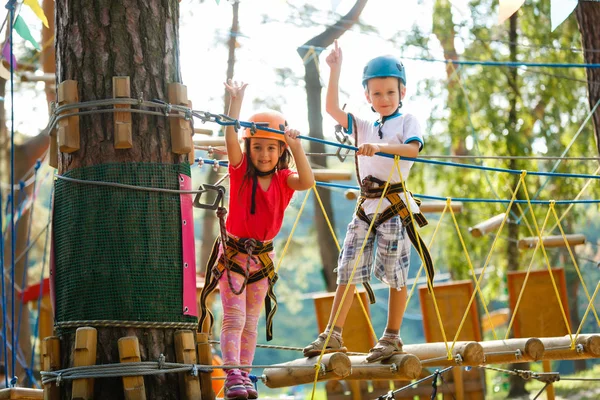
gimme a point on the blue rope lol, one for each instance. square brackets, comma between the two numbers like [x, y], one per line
[41, 293]
[4, 316]
[506, 63]
[468, 200]
[26, 261]
[11, 7]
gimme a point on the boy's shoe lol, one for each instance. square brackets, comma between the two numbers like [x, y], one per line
[384, 348]
[315, 348]
[250, 389]
[235, 388]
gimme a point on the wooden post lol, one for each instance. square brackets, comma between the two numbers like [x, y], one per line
[181, 129]
[185, 352]
[204, 358]
[552, 241]
[84, 354]
[129, 351]
[123, 130]
[397, 367]
[547, 366]
[487, 226]
[512, 350]
[332, 174]
[68, 128]
[51, 362]
[334, 366]
[471, 353]
[46, 322]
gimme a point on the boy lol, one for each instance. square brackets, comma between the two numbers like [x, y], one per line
[384, 81]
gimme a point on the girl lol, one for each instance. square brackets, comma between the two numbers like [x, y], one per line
[261, 187]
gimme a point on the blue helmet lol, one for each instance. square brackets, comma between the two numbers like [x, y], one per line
[383, 67]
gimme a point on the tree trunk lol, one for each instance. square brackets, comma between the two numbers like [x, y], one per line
[97, 40]
[588, 15]
[315, 124]
[210, 217]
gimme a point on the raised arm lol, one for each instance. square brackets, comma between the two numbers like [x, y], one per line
[236, 93]
[305, 178]
[332, 102]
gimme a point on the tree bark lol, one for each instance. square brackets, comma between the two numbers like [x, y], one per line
[588, 15]
[315, 123]
[210, 217]
[96, 40]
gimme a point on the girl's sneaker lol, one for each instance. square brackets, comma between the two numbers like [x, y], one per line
[235, 388]
[252, 393]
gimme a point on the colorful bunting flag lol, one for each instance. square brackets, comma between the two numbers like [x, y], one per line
[7, 54]
[508, 8]
[35, 7]
[560, 10]
[23, 31]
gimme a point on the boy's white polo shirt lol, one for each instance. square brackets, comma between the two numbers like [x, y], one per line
[396, 129]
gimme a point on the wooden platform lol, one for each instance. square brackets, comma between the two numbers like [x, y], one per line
[21, 394]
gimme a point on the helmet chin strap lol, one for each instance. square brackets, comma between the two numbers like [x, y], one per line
[255, 187]
[383, 119]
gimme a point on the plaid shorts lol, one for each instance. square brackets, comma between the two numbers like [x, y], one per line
[390, 261]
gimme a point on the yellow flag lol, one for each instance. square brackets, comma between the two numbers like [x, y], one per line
[35, 7]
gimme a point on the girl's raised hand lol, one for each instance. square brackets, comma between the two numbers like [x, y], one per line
[235, 89]
[291, 137]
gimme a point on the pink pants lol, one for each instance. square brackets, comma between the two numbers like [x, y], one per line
[240, 314]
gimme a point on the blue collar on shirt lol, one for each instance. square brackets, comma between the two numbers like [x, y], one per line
[382, 121]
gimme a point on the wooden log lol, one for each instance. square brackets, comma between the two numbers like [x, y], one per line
[185, 352]
[29, 76]
[487, 226]
[214, 141]
[552, 241]
[399, 366]
[129, 351]
[559, 348]
[51, 362]
[434, 354]
[86, 339]
[332, 174]
[21, 394]
[203, 131]
[334, 366]
[438, 206]
[204, 358]
[512, 350]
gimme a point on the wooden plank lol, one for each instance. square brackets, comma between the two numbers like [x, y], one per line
[50, 361]
[185, 352]
[84, 354]
[129, 351]
[21, 394]
[204, 358]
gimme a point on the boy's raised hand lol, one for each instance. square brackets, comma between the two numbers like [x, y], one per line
[334, 59]
[235, 89]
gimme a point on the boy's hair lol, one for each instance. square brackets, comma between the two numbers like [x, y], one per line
[284, 161]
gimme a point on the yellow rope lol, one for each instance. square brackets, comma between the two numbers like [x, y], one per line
[524, 219]
[588, 309]
[337, 243]
[289, 240]
[477, 287]
[562, 310]
[518, 303]
[576, 266]
[362, 248]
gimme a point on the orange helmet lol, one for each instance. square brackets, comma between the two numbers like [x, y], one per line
[270, 119]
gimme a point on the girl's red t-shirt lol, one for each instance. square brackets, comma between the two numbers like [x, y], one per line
[266, 222]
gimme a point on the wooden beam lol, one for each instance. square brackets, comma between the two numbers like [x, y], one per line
[21, 394]
[51, 362]
[203, 131]
[435, 354]
[129, 351]
[397, 367]
[204, 358]
[334, 366]
[559, 348]
[86, 339]
[552, 241]
[185, 352]
[486, 226]
[512, 350]
[438, 206]
[214, 141]
[332, 174]
[33, 77]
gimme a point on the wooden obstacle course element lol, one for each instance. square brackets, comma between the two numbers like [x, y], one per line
[212, 141]
[68, 128]
[21, 394]
[84, 354]
[123, 131]
[185, 353]
[203, 131]
[181, 129]
[192, 153]
[333, 366]
[29, 76]
[539, 314]
[435, 354]
[438, 206]
[513, 350]
[487, 226]
[332, 174]
[399, 366]
[50, 361]
[552, 241]
[53, 150]
[559, 348]
[204, 358]
[129, 351]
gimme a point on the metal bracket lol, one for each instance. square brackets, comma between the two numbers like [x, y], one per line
[205, 188]
[341, 137]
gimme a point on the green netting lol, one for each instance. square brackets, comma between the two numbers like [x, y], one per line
[118, 253]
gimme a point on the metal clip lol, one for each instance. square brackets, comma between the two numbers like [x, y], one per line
[344, 139]
[204, 188]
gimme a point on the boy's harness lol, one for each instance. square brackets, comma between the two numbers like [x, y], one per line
[226, 263]
[373, 188]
